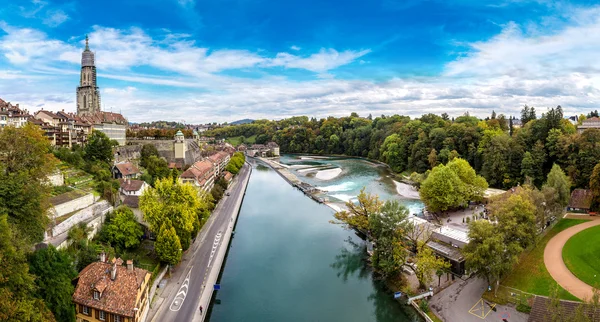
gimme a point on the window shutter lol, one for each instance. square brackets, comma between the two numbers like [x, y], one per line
[97, 313]
[80, 308]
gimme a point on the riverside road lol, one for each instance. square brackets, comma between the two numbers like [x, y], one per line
[188, 287]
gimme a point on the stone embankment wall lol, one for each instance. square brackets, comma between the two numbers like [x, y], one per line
[56, 179]
[87, 214]
[165, 149]
[73, 205]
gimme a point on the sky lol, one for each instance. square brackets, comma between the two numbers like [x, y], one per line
[198, 61]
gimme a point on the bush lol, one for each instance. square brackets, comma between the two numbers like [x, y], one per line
[424, 305]
[522, 307]
[468, 220]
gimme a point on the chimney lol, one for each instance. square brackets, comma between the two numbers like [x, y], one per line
[130, 265]
[103, 257]
[113, 272]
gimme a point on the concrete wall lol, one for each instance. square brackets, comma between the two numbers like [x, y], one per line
[56, 179]
[166, 148]
[73, 205]
[87, 214]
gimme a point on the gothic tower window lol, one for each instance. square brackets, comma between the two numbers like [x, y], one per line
[84, 102]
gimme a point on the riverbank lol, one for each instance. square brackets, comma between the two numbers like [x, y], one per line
[292, 179]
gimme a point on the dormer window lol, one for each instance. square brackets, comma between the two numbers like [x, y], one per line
[96, 295]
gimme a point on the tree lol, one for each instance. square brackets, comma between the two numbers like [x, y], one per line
[433, 160]
[148, 150]
[99, 148]
[357, 215]
[25, 165]
[485, 252]
[558, 180]
[167, 245]
[54, 270]
[427, 264]
[123, 230]
[595, 188]
[178, 203]
[157, 168]
[442, 190]
[527, 114]
[516, 221]
[474, 185]
[17, 286]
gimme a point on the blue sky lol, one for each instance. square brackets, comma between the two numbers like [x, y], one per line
[203, 61]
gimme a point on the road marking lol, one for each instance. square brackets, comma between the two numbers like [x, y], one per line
[479, 309]
[215, 246]
[182, 293]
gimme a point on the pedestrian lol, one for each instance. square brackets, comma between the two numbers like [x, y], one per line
[200, 309]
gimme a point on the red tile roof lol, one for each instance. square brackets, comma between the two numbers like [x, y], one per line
[127, 168]
[117, 296]
[131, 185]
[198, 170]
[105, 117]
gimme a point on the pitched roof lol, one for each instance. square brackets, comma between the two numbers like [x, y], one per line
[540, 312]
[132, 201]
[127, 168]
[131, 185]
[104, 117]
[117, 296]
[581, 198]
[198, 170]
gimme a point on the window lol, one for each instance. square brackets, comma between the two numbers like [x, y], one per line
[117, 318]
[102, 316]
[86, 310]
[96, 295]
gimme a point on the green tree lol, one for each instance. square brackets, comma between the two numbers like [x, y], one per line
[474, 185]
[157, 168]
[123, 230]
[427, 264]
[558, 180]
[358, 214]
[516, 221]
[167, 245]
[595, 188]
[17, 286]
[485, 253]
[178, 203]
[148, 150]
[25, 165]
[99, 148]
[54, 270]
[442, 190]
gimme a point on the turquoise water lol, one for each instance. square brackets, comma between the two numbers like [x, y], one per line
[356, 174]
[288, 263]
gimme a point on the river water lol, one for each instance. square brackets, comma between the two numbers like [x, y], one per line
[288, 263]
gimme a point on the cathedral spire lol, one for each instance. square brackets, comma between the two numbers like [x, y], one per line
[87, 45]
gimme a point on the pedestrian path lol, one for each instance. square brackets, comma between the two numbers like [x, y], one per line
[556, 266]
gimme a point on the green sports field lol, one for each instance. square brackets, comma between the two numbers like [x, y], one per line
[581, 254]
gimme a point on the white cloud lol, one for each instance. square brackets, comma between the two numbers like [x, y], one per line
[55, 18]
[295, 48]
[324, 60]
[521, 65]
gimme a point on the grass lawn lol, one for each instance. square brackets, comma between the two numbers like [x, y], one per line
[582, 255]
[530, 274]
[237, 140]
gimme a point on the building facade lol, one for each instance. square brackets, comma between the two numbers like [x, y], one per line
[110, 292]
[12, 115]
[114, 125]
[201, 175]
[591, 123]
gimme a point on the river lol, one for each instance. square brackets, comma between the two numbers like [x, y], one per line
[288, 263]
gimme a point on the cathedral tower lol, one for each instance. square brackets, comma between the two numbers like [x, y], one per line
[88, 93]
